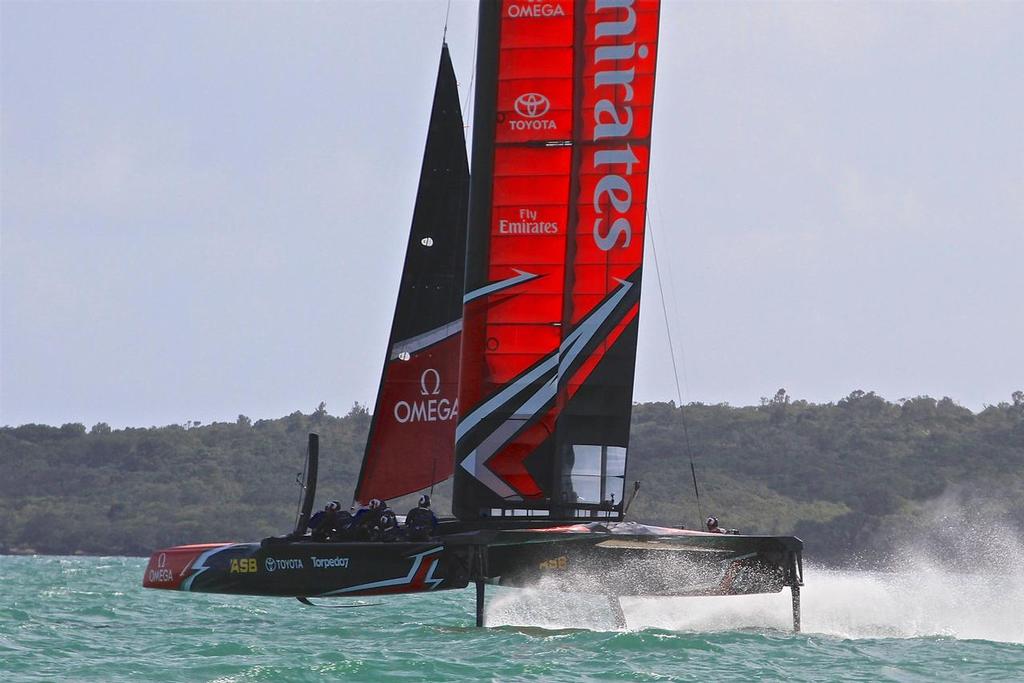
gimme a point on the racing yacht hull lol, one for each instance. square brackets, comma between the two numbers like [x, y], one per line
[608, 559]
[307, 569]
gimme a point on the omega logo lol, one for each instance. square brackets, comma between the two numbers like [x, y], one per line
[427, 409]
[425, 389]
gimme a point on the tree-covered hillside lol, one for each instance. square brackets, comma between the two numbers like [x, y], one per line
[838, 475]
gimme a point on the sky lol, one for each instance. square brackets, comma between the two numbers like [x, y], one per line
[204, 206]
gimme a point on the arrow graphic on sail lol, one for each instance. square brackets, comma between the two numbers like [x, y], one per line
[555, 366]
[493, 287]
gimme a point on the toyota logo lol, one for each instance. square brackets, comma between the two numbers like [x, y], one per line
[532, 105]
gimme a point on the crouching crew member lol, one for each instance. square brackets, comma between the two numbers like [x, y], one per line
[364, 523]
[713, 527]
[328, 521]
[386, 528]
[420, 523]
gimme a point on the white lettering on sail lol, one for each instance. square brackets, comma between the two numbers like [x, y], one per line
[613, 119]
[527, 225]
[427, 410]
[434, 410]
[543, 124]
[535, 8]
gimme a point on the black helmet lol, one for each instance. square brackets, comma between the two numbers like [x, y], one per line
[424, 501]
[376, 504]
[712, 522]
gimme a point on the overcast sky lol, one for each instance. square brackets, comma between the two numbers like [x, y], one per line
[205, 206]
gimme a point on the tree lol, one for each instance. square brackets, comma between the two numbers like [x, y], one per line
[778, 405]
[358, 410]
[72, 429]
[359, 416]
[838, 478]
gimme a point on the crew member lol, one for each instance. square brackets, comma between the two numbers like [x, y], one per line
[713, 527]
[317, 517]
[420, 523]
[358, 510]
[364, 522]
[326, 522]
[386, 528]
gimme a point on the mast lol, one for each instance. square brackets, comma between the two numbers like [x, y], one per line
[472, 369]
[409, 447]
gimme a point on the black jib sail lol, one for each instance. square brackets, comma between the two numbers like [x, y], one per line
[410, 446]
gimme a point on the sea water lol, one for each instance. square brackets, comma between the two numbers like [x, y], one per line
[89, 619]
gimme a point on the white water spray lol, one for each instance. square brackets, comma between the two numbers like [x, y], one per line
[917, 594]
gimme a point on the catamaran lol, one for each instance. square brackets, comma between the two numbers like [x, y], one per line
[510, 364]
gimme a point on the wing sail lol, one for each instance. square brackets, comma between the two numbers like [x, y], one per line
[565, 93]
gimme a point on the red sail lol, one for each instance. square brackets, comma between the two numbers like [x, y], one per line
[555, 248]
[412, 435]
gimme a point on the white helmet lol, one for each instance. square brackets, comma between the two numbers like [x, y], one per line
[376, 504]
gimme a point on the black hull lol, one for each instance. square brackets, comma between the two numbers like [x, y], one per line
[620, 561]
[651, 565]
[307, 569]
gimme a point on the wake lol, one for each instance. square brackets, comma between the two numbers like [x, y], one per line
[952, 583]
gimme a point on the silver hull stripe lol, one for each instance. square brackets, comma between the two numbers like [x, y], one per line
[400, 581]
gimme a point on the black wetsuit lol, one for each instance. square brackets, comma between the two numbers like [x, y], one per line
[328, 525]
[362, 525]
[420, 524]
[386, 528]
[315, 520]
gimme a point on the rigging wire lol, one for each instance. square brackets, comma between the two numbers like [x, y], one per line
[674, 303]
[468, 114]
[447, 12]
[675, 372]
[433, 475]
